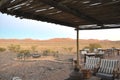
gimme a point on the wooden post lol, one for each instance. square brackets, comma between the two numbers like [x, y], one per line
[78, 48]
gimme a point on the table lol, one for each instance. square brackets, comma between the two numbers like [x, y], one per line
[93, 78]
[79, 76]
[75, 76]
[86, 73]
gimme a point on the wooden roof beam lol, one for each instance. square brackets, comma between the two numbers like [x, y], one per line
[74, 12]
[100, 28]
[38, 17]
[3, 3]
[17, 2]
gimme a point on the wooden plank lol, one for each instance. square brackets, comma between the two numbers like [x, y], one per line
[100, 28]
[3, 3]
[17, 2]
[33, 6]
[28, 9]
[74, 12]
[102, 7]
[69, 18]
[39, 18]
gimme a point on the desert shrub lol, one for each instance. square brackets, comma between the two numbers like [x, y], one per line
[55, 53]
[86, 47]
[47, 52]
[20, 55]
[14, 48]
[26, 53]
[93, 46]
[2, 49]
[23, 54]
[68, 49]
[33, 48]
[65, 49]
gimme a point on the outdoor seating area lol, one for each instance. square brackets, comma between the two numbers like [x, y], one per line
[97, 69]
[80, 15]
[108, 69]
[91, 63]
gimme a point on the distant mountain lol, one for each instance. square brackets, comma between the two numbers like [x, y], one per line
[59, 42]
[18, 40]
[54, 39]
[61, 39]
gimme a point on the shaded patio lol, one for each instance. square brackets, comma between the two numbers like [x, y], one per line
[98, 14]
[81, 15]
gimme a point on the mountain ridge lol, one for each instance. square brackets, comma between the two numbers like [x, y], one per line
[57, 39]
[58, 43]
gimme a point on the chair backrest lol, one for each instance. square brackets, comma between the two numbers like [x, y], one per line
[107, 66]
[91, 62]
[83, 52]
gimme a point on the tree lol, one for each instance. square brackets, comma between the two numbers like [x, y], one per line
[93, 46]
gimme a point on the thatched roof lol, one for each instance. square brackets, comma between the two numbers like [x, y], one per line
[82, 14]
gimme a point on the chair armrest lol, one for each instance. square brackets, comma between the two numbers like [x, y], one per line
[96, 68]
[115, 73]
[82, 65]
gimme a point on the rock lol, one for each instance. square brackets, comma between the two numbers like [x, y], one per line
[16, 78]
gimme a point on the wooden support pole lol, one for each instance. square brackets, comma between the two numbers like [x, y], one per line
[78, 48]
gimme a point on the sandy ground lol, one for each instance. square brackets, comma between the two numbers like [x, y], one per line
[50, 58]
[44, 68]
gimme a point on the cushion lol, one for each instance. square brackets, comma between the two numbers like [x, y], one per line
[105, 76]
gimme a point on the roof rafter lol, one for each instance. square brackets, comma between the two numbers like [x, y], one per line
[18, 2]
[4, 2]
[74, 12]
[38, 17]
[99, 28]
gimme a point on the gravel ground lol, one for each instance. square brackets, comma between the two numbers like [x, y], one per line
[32, 70]
[36, 70]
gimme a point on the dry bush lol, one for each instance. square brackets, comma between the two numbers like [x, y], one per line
[14, 48]
[23, 54]
[2, 49]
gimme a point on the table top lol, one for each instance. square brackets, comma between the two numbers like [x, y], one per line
[93, 78]
[79, 76]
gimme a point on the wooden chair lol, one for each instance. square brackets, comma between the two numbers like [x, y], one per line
[91, 63]
[108, 69]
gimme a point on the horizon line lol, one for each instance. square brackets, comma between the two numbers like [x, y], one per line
[56, 38]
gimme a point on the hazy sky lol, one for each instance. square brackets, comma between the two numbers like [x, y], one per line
[11, 28]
